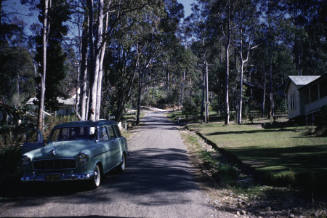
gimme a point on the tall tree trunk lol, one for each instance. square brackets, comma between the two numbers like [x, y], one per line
[18, 89]
[168, 79]
[263, 107]
[203, 96]
[243, 62]
[95, 82]
[84, 70]
[183, 87]
[239, 120]
[271, 93]
[207, 93]
[99, 91]
[44, 72]
[77, 99]
[139, 91]
[91, 73]
[227, 68]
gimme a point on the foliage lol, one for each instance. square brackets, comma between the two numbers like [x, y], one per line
[59, 13]
[10, 156]
[321, 121]
[191, 107]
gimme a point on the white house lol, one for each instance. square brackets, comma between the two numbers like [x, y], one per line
[67, 105]
[306, 95]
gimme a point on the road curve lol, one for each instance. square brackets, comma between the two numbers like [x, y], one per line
[158, 182]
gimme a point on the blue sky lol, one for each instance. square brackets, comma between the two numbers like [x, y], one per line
[187, 6]
[22, 11]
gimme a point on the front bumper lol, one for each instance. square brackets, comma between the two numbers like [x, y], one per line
[57, 177]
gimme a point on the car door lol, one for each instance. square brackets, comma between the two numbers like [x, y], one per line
[114, 144]
[122, 140]
[106, 156]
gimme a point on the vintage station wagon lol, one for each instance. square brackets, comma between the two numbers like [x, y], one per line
[83, 150]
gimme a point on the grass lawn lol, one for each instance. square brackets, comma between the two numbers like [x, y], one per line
[284, 156]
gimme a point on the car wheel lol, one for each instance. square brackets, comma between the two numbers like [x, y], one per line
[96, 180]
[122, 166]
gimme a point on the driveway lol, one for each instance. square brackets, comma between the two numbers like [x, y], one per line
[158, 182]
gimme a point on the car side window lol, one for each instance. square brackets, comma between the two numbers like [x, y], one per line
[111, 132]
[64, 134]
[55, 135]
[103, 135]
[116, 130]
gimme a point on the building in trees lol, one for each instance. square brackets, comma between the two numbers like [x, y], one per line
[306, 95]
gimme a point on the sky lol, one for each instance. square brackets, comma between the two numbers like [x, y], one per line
[15, 7]
[187, 6]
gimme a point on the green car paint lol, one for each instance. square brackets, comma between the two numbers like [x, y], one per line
[74, 151]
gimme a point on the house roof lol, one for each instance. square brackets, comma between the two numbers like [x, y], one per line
[303, 80]
[31, 100]
[321, 77]
[68, 101]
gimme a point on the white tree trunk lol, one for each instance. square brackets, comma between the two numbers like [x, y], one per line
[227, 68]
[243, 62]
[99, 91]
[43, 76]
[84, 70]
[95, 82]
[206, 93]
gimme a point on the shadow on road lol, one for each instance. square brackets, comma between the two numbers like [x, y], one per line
[149, 171]
[158, 174]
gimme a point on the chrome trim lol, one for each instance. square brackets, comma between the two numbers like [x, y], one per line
[63, 177]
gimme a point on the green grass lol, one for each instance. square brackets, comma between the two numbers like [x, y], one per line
[283, 156]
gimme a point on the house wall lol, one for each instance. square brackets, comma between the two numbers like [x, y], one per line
[65, 111]
[315, 96]
[294, 102]
[315, 106]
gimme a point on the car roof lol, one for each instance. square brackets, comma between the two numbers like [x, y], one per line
[86, 123]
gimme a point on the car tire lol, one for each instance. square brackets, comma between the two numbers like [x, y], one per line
[122, 165]
[95, 182]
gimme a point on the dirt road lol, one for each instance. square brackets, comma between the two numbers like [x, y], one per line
[158, 182]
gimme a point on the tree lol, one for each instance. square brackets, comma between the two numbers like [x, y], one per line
[44, 62]
[246, 22]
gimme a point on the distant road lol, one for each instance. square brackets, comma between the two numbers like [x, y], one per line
[158, 182]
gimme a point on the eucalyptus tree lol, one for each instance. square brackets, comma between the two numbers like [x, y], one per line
[309, 26]
[16, 68]
[246, 21]
[51, 56]
[197, 30]
[44, 64]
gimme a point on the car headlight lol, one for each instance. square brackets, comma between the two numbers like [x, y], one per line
[26, 161]
[82, 158]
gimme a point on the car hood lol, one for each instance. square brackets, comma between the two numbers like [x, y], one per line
[62, 149]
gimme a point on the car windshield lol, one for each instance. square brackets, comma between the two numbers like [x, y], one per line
[73, 133]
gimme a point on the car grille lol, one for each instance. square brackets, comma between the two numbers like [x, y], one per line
[56, 164]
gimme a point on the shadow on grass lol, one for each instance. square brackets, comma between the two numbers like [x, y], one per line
[250, 131]
[303, 166]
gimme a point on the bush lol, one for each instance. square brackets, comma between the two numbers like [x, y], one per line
[10, 156]
[190, 108]
[321, 121]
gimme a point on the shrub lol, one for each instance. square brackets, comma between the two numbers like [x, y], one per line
[10, 156]
[190, 108]
[321, 121]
